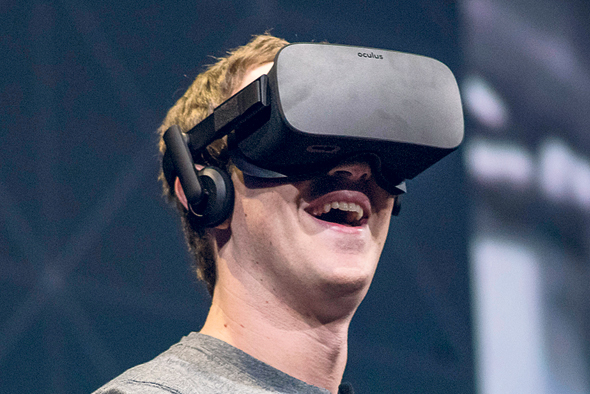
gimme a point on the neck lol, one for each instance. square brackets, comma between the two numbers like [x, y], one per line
[295, 338]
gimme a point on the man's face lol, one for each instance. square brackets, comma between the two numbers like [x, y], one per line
[315, 238]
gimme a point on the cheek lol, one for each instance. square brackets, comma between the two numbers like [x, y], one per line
[248, 214]
[263, 210]
[263, 227]
[383, 216]
[384, 230]
[249, 227]
[265, 202]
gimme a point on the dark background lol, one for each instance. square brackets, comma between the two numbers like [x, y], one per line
[526, 91]
[94, 274]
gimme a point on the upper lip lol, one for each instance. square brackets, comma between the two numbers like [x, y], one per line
[356, 197]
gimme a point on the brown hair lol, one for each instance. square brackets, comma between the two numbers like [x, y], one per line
[208, 90]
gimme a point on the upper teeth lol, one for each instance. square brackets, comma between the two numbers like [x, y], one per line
[343, 206]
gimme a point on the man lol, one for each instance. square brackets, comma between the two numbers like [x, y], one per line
[284, 283]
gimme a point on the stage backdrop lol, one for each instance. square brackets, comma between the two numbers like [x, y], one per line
[526, 91]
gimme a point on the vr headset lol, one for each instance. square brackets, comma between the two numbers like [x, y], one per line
[320, 105]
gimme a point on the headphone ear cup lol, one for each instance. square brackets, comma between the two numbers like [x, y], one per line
[219, 193]
[397, 205]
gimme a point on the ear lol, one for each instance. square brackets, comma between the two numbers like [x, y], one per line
[179, 192]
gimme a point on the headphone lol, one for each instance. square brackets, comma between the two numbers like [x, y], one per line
[209, 192]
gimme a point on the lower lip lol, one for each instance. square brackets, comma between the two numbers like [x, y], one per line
[340, 227]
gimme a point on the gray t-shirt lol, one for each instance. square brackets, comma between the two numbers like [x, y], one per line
[200, 364]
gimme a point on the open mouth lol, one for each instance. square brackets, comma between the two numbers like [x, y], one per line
[343, 213]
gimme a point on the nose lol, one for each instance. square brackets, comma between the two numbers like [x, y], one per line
[353, 171]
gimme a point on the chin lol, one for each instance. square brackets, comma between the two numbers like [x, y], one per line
[341, 298]
[347, 281]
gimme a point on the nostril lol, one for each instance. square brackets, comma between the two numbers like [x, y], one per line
[355, 171]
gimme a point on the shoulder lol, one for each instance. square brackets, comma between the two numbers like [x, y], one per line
[179, 370]
[161, 375]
